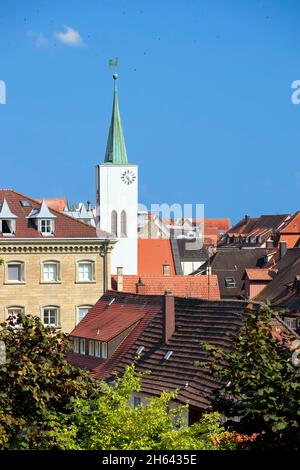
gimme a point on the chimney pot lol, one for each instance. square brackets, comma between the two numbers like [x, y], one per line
[247, 218]
[140, 287]
[282, 249]
[89, 205]
[168, 316]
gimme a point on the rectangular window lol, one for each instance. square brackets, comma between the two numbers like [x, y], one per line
[46, 225]
[82, 346]
[14, 272]
[76, 345]
[13, 314]
[50, 272]
[97, 349]
[291, 322]
[50, 316]
[91, 348]
[104, 351]
[230, 282]
[82, 311]
[85, 272]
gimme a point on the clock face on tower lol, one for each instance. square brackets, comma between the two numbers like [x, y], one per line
[128, 177]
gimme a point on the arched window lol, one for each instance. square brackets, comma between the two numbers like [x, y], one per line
[114, 223]
[123, 224]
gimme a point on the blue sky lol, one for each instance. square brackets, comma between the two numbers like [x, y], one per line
[204, 93]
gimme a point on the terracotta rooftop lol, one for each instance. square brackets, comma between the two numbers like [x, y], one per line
[262, 226]
[258, 274]
[215, 322]
[185, 286]
[65, 226]
[153, 253]
[57, 204]
[293, 226]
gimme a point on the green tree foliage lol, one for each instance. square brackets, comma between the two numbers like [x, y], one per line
[261, 385]
[109, 422]
[45, 403]
[36, 384]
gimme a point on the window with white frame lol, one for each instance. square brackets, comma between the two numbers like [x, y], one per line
[8, 226]
[82, 311]
[76, 345]
[13, 314]
[91, 347]
[82, 346]
[86, 271]
[46, 226]
[50, 271]
[104, 351]
[97, 348]
[15, 271]
[51, 316]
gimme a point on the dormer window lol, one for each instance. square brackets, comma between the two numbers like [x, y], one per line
[46, 226]
[7, 220]
[44, 220]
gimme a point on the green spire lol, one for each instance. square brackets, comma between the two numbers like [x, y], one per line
[115, 149]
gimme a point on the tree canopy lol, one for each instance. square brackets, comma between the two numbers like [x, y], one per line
[48, 404]
[261, 385]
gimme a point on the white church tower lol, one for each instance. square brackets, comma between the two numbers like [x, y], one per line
[117, 195]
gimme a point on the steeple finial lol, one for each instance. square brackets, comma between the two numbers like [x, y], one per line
[115, 148]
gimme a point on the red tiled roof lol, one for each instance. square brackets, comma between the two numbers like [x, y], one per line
[293, 226]
[153, 253]
[202, 287]
[220, 224]
[103, 321]
[57, 204]
[65, 226]
[291, 239]
[196, 320]
[259, 274]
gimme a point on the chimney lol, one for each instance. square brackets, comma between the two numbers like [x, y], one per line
[282, 249]
[297, 284]
[140, 287]
[247, 218]
[166, 269]
[168, 316]
[89, 205]
[270, 244]
[120, 279]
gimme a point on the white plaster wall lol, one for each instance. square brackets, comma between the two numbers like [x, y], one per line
[114, 194]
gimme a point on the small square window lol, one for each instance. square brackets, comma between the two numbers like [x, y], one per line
[46, 226]
[82, 311]
[230, 282]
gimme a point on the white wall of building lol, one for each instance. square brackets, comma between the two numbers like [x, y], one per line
[115, 192]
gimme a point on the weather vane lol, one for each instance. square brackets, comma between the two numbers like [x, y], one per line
[113, 63]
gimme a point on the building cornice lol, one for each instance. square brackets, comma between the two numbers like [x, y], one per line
[55, 245]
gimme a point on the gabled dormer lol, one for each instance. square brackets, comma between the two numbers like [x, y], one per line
[7, 220]
[44, 220]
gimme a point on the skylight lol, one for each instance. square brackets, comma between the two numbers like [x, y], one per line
[25, 203]
[140, 350]
[230, 282]
[168, 355]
